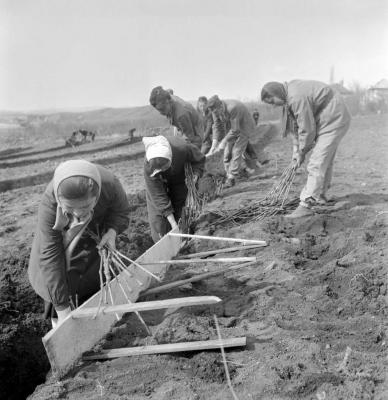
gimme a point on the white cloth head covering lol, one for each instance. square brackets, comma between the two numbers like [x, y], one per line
[70, 168]
[66, 170]
[157, 146]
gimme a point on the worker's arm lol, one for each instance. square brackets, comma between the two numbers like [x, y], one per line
[196, 159]
[186, 127]
[116, 218]
[218, 130]
[51, 258]
[307, 130]
[157, 193]
[172, 221]
[208, 127]
[295, 144]
[235, 128]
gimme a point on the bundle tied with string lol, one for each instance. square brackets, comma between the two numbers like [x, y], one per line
[273, 203]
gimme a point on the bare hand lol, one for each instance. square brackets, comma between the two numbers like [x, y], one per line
[221, 146]
[63, 314]
[212, 151]
[109, 239]
[172, 221]
[298, 159]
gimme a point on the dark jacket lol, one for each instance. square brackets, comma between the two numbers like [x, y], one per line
[47, 265]
[186, 119]
[169, 187]
[208, 126]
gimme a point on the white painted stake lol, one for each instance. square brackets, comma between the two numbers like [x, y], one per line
[204, 260]
[186, 235]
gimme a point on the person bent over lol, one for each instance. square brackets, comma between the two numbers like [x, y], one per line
[235, 118]
[64, 262]
[318, 119]
[164, 175]
[181, 114]
[206, 119]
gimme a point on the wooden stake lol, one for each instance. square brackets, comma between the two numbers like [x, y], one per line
[167, 348]
[219, 251]
[196, 278]
[137, 265]
[224, 359]
[146, 306]
[206, 260]
[186, 235]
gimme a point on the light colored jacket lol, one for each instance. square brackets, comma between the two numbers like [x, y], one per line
[317, 108]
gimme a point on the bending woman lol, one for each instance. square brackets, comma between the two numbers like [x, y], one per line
[164, 174]
[64, 262]
[318, 119]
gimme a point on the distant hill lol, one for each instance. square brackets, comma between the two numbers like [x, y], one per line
[103, 121]
[33, 127]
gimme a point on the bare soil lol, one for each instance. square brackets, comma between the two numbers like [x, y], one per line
[325, 298]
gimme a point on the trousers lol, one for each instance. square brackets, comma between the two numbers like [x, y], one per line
[233, 155]
[320, 166]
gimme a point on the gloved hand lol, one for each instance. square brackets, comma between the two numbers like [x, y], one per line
[108, 239]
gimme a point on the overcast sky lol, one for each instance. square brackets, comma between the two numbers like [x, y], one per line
[81, 53]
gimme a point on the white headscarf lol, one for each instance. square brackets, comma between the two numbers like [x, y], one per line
[157, 146]
[66, 170]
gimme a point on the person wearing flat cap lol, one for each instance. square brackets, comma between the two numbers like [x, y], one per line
[64, 262]
[181, 114]
[164, 175]
[318, 119]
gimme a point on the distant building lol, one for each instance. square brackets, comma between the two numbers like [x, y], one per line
[340, 88]
[376, 97]
[381, 87]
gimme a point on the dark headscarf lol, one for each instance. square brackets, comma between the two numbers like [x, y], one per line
[274, 89]
[159, 95]
[280, 90]
[214, 102]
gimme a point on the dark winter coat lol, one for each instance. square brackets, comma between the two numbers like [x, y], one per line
[47, 266]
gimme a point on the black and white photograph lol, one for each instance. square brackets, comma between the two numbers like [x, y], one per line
[193, 199]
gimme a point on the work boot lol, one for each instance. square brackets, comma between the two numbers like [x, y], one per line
[312, 202]
[229, 183]
[299, 212]
[324, 200]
